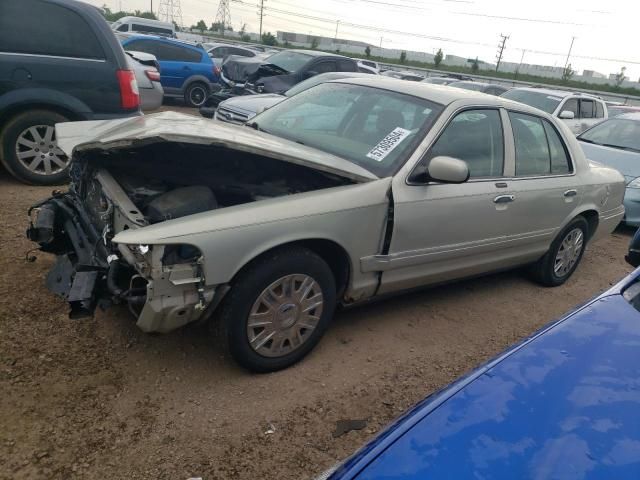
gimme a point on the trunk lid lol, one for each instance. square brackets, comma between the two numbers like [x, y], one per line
[78, 137]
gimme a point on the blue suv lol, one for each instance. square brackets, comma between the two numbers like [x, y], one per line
[186, 70]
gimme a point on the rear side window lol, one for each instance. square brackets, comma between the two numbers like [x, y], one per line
[151, 29]
[539, 148]
[242, 52]
[41, 28]
[123, 28]
[587, 109]
[175, 53]
[147, 46]
[599, 110]
[474, 136]
[324, 67]
[347, 66]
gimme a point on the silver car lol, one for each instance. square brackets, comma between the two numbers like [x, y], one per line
[616, 143]
[146, 69]
[269, 227]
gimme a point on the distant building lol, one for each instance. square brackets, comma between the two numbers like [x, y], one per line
[593, 74]
[613, 76]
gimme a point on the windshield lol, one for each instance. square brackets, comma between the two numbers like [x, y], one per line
[617, 132]
[468, 85]
[289, 61]
[316, 80]
[374, 128]
[541, 100]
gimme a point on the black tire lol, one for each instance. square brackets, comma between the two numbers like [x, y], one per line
[9, 137]
[196, 94]
[247, 287]
[543, 271]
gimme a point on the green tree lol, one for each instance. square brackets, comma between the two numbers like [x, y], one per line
[403, 56]
[269, 39]
[112, 16]
[243, 33]
[475, 66]
[620, 77]
[367, 51]
[437, 60]
[176, 26]
[314, 43]
[567, 73]
[217, 27]
[201, 26]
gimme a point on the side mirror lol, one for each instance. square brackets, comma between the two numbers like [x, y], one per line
[567, 115]
[448, 170]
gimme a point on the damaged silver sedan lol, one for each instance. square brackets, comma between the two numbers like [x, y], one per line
[350, 190]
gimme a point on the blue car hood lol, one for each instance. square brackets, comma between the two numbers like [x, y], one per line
[564, 404]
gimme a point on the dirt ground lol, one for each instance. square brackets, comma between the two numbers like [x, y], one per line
[100, 399]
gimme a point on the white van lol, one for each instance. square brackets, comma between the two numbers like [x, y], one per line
[144, 25]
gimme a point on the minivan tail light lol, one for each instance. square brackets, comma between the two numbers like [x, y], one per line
[129, 95]
[216, 70]
[152, 75]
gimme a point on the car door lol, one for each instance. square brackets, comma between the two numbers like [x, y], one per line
[544, 186]
[572, 105]
[447, 231]
[177, 64]
[588, 114]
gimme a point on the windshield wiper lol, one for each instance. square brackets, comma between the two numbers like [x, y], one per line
[255, 126]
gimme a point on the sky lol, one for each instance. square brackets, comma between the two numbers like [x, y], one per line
[540, 31]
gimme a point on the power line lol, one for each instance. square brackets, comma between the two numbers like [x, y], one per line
[170, 11]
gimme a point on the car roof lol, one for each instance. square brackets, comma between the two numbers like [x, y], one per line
[315, 53]
[557, 93]
[442, 94]
[185, 43]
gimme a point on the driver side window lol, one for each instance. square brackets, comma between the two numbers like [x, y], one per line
[476, 137]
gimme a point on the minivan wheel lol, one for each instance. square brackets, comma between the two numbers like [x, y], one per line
[563, 257]
[196, 94]
[29, 149]
[278, 309]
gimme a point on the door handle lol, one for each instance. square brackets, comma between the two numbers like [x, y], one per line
[570, 193]
[504, 199]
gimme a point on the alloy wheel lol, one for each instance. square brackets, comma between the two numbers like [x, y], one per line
[37, 150]
[569, 252]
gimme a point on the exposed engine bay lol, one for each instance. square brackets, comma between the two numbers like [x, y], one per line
[113, 190]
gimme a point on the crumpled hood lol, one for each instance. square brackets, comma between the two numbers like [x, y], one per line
[75, 137]
[240, 69]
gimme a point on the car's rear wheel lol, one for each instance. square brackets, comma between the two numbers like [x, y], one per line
[29, 149]
[565, 254]
[196, 94]
[278, 308]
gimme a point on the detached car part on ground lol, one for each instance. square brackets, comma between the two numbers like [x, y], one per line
[561, 404]
[347, 191]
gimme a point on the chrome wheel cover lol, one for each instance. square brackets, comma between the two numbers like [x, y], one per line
[285, 315]
[38, 152]
[569, 252]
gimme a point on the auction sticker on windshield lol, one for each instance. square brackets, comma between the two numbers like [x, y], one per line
[388, 143]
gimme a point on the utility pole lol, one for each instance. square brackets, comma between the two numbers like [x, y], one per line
[524, 50]
[569, 54]
[337, 25]
[151, 6]
[501, 45]
[381, 44]
[261, 14]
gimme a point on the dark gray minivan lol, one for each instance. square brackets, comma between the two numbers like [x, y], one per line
[59, 61]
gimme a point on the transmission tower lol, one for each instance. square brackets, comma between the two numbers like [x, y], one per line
[170, 11]
[223, 17]
[501, 45]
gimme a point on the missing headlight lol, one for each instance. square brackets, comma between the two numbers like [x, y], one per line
[177, 254]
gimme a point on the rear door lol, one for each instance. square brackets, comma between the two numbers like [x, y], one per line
[544, 185]
[178, 64]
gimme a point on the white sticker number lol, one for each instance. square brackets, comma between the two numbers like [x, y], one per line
[388, 143]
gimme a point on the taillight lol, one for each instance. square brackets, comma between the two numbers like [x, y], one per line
[216, 71]
[152, 75]
[129, 95]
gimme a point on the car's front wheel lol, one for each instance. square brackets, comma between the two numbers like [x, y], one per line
[564, 255]
[30, 151]
[196, 94]
[278, 308]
